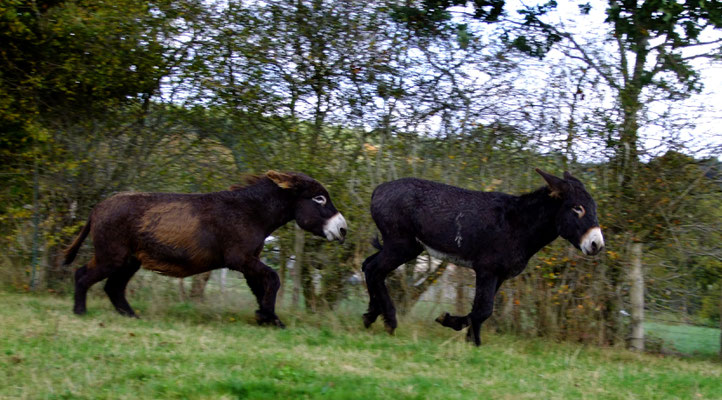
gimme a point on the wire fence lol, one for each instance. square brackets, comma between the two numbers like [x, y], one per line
[671, 334]
[683, 338]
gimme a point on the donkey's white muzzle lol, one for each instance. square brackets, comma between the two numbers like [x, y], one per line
[592, 242]
[335, 228]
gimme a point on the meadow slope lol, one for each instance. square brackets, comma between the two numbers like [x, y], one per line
[184, 351]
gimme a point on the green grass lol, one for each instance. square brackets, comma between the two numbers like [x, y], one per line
[686, 339]
[184, 351]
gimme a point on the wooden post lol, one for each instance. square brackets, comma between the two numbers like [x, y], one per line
[636, 294]
[281, 271]
[460, 290]
[299, 243]
[222, 276]
[198, 285]
[36, 224]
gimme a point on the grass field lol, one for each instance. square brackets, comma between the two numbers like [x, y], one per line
[686, 339]
[184, 351]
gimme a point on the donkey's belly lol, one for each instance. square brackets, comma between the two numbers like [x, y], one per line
[172, 267]
[452, 258]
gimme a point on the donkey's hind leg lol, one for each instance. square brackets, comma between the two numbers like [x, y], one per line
[374, 310]
[116, 284]
[388, 259]
[85, 277]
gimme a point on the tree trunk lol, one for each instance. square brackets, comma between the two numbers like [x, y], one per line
[223, 274]
[460, 283]
[516, 321]
[598, 290]
[636, 295]
[298, 245]
[309, 289]
[57, 276]
[36, 224]
[281, 271]
[507, 299]
[333, 283]
[542, 293]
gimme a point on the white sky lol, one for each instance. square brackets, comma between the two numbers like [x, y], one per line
[706, 136]
[705, 139]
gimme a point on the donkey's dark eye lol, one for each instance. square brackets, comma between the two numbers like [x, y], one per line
[579, 210]
[320, 199]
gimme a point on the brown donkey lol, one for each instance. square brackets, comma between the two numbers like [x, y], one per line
[185, 234]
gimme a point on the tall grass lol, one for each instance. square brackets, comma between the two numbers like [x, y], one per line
[215, 351]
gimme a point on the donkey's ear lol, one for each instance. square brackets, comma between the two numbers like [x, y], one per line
[557, 185]
[569, 177]
[283, 180]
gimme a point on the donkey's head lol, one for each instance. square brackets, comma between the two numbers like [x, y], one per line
[577, 218]
[314, 210]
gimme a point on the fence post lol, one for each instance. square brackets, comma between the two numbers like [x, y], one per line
[36, 224]
[636, 294]
[299, 243]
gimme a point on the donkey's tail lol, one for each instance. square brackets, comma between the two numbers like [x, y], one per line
[72, 250]
[376, 243]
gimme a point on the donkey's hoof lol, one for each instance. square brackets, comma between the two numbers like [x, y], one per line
[471, 339]
[265, 319]
[441, 318]
[454, 322]
[390, 324]
[368, 320]
[129, 314]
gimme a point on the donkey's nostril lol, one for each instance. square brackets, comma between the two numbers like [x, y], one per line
[343, 232]
[595, 246]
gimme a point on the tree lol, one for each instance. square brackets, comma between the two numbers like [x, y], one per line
[74, 76]
[656, 43]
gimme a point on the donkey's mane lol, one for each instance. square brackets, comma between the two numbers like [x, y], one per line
[534, 195]
[248, 180]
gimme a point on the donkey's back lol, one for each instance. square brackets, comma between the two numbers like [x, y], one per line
[439, 215]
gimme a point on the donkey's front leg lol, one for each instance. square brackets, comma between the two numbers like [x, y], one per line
[486, 287]
[270, 283]
[455, 322]
[264, 284]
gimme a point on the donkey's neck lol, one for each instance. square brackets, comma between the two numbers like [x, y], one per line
[274, 205]
[537, 213]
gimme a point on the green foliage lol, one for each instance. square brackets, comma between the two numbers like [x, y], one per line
[680, 26]
[431, 15]
[79, 55]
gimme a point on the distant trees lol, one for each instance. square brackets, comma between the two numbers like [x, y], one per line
[77, 79]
